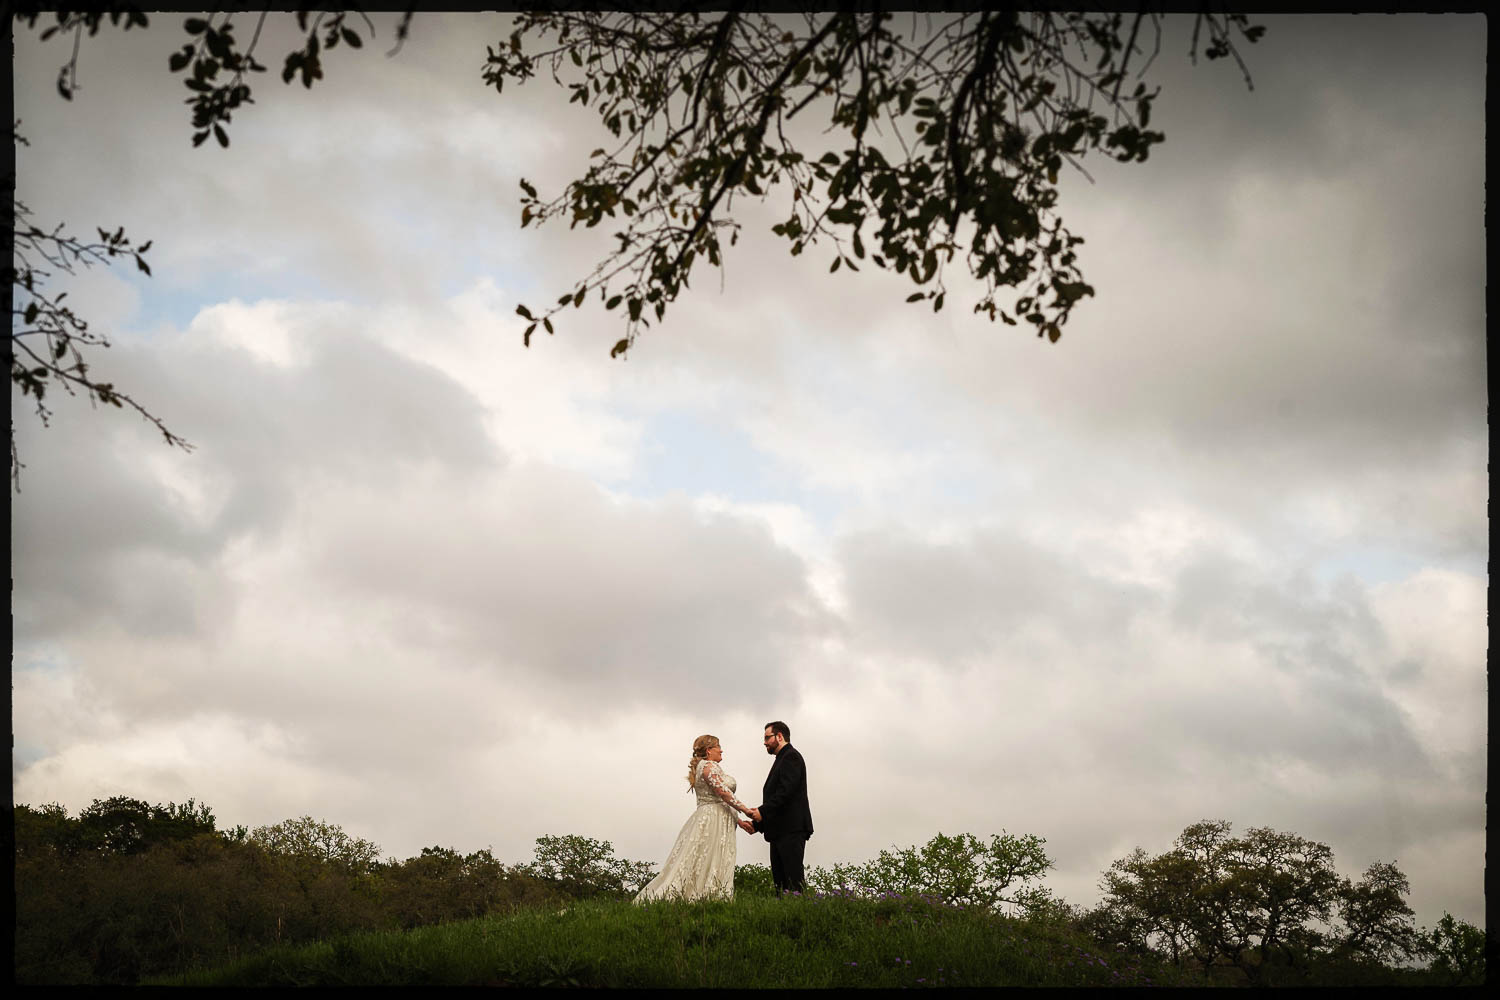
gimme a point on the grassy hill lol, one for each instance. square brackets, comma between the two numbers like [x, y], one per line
[812, 941]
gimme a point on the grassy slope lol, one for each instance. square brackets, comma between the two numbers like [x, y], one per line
[753, 942]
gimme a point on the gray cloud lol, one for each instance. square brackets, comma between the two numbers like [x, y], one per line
[953, 603]
[101, 531]
[546, 580]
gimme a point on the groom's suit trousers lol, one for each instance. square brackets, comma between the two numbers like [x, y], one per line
[786, 862]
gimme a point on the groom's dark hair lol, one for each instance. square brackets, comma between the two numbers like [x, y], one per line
[780, 727]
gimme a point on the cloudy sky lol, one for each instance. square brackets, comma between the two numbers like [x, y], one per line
[1221, 552]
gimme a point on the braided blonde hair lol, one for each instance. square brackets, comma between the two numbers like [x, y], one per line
[701, 746]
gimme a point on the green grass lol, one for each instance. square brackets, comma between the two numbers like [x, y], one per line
[753, 942]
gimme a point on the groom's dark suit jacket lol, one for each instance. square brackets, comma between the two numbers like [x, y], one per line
[783, 810]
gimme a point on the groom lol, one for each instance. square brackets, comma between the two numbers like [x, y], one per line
[783, 816]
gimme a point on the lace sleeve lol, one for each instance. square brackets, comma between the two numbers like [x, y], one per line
[713, 777]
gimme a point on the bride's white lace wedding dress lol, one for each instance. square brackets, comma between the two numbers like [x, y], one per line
[701, 862]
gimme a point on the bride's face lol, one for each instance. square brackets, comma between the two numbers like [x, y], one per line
[715, 753]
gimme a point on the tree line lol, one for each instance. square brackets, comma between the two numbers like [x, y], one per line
[127, 890]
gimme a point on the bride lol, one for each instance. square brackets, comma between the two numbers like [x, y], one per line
[701, 862]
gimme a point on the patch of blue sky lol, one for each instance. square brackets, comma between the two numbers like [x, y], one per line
[30, 659]
[39, 660]
[686, 452]
[457, 247]
[951, 472]
[175, 305]
[1373, 565]
[24, 754]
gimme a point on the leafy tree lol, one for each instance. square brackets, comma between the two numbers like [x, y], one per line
[1148, 904]
[1053, 910]
[961, 870]
[582, 867]
[1376, 924]
[441, 884]
[1127, 928]
[44, 830]
[116, 825]
[123, 825]
[315, 843]
[949, 137]
[1290, 882]
[1458, 952]
[1219, 921]
[1254, 903]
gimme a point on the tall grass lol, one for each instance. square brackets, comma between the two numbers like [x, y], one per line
[812, 941]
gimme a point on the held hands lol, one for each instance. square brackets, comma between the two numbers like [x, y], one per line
[754, 814]
[746, 825]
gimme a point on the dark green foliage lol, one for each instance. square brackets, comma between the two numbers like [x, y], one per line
[952, 136]
[947, 143]
[1268, 908]
[959, 870]
[118, 825]
[753, 880]
[132, 906]
[1376, 922]
[128, 891]
[1458, 952]
[307, 845]
[440, 885]
[583, 868]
